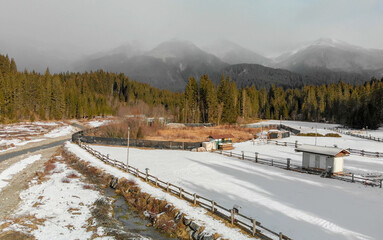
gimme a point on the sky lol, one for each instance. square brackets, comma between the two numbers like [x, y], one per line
[72, 28]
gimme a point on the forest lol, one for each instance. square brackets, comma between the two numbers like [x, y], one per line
[34, 96]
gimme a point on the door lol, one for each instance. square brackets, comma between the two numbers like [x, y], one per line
[317, 161]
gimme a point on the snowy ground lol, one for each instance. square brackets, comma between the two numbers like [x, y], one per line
[199, 214]
[345, 141]
[55, 209]
[353, 163]
[98, 123]
[301, 206]
[19, 134]
[7, 174]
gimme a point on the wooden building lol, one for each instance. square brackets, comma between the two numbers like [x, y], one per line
[322, 158]
[222, 141]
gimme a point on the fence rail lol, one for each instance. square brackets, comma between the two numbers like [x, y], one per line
[248, 224]
[135, 142]
[360, 152]
[358, 135]
[347, 177]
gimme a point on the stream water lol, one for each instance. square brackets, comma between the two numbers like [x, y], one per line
[131, 221]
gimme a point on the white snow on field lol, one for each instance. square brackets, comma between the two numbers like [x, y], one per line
[353, 163]
[196, 213]
[20, 134]
[64, 206]
[345, 141]
[97, 123]
[301, 206]
[61, 131]
[7, 174]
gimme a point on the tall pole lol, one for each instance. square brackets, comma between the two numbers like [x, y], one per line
[316, 134]
[127, 156]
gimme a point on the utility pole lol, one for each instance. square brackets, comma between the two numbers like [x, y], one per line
[316, 134]
[127, 156]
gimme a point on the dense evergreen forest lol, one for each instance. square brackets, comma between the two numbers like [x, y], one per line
[29, 95]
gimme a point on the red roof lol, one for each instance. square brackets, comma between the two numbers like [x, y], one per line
[220, 136]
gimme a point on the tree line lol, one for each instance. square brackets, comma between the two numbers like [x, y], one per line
[356, 106]
[30, 96]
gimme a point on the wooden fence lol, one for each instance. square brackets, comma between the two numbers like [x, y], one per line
[135, 142]
[347, 177]
[351, 150]
[358, 135]
[248, 224]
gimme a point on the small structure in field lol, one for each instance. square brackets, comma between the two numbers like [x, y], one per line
[222, 141]
[322, 158]
[278, 134]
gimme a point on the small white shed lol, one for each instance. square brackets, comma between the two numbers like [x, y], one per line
[323, 158]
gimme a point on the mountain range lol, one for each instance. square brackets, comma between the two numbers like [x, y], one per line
[171, 63]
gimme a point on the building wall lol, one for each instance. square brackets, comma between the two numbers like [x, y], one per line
[338, 164]
[310, 160]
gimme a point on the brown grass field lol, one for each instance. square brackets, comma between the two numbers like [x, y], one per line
[201, 134]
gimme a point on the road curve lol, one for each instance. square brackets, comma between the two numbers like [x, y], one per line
[6, 156]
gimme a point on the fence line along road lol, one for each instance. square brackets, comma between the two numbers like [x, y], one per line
[248, 224]
[351, 150]
[348, 177]
[358, 135]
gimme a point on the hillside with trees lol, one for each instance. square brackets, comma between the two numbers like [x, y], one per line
[31, 96]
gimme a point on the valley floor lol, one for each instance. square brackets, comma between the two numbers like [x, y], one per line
[301, 206]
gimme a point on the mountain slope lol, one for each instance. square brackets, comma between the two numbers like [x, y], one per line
[254, 74]
[168, 66]
[234, 54]
[334, 56]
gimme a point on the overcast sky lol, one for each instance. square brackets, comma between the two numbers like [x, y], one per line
[265, 26]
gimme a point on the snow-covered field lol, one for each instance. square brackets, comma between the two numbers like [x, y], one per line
[299, 205]
[55, 209]
[353, 163]
[98, 123]
[198, 214]
[19, 134]
[345, 141]
[7, 174]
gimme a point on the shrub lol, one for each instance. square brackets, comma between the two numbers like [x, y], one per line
[333, 135]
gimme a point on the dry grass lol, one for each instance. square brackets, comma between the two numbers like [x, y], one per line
[201, 134]
[161, 133]
[87, 186]
[72, 175]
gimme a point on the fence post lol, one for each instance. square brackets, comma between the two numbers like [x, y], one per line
[362, 153]
[280, 236]
[285, 144]
[147, 173]
[221, 151]
[352, 179]
[212, 206]
[181, 192]
[195, 199]
[377, 154]
[256, 157]
[288, 163]
[136, 172]
[296, 144]
[167, 187]
[232, 216]
[380, 183]
[156, 181]
[231, 153]
[254, 227]
[243, 155]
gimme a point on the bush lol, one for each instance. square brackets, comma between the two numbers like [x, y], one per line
[333, 135]
[310, 135]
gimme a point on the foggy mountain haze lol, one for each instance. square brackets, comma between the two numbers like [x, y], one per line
[178, 39]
